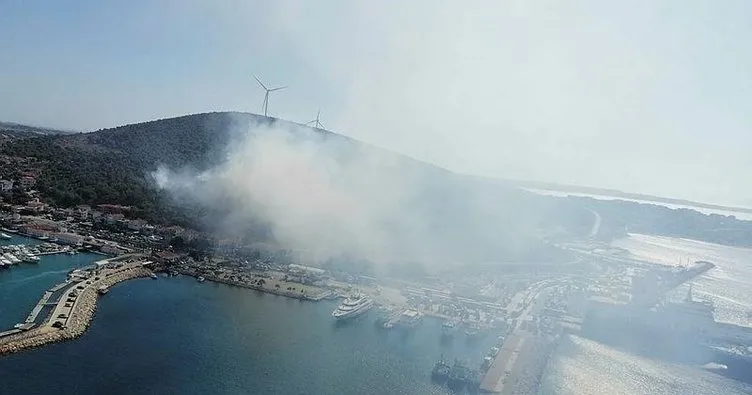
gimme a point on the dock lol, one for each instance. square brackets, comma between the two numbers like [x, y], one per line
[59, 286]
[503, 366]
[38, 308]
[67, 320]
[519, 365]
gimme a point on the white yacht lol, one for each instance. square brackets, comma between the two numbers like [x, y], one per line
[30, 258]
[353, 307]
[10, 258]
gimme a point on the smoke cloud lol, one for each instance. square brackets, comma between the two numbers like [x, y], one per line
[326, 196]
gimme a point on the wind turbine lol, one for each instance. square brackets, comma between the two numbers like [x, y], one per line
[266, 95]
[316, 122]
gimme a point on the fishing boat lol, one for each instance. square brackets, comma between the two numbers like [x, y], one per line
[440, 371]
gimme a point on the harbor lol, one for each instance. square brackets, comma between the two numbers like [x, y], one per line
[73, 303]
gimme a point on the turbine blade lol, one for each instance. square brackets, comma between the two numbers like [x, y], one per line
[276, 89]
[260, 83]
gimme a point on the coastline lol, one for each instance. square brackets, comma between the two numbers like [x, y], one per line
[80, 317]
[321, 293]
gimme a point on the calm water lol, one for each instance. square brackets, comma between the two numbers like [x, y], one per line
[22, 285]
[176, 336]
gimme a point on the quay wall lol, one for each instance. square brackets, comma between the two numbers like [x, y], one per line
[77, 323]
[272, 290]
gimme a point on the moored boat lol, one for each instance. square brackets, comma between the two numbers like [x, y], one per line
[28, 258]
[440, 371]
[352, 307]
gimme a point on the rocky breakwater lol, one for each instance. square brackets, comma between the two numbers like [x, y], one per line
[78, 321]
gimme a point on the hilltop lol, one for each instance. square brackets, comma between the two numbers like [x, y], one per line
[115, 165]
[21, 130]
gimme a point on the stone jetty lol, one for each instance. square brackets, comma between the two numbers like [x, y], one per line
[81, 312]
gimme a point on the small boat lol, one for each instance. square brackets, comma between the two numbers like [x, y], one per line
[5, 236]
[71, 252]
[201, 279]
[28, 258]
[103, 290]
[153, 276]
[440, 371]
[448, 328]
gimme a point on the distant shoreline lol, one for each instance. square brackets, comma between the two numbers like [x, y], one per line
[574, 189]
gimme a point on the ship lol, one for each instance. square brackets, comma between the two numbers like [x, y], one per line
[28, 258]
[473, 381]
[440, 372]
[12, 258]
[737, 361]
[681, 332]
[4, 236]
[103, 290]
[473, 331]
[409, 319]
[201, 279]
[352, 307]
[458, 376]
[448, 329]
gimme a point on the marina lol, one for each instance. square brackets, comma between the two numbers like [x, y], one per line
[253, 352]
[269, 355]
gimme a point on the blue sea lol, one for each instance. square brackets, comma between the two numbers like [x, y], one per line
[176, 336]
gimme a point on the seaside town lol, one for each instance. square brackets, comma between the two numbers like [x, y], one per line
[133, 248]
[520, 311]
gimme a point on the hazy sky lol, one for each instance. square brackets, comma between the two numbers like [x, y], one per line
[645, 96]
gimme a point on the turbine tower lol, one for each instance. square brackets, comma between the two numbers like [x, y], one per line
[316, 122]
[266, 95]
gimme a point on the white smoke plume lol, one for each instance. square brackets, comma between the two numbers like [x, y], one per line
[323, 195]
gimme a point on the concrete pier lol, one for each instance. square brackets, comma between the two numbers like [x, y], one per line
[68, 322]
[503, 365]
[38, 308]
[519, 365]
[59, 286]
